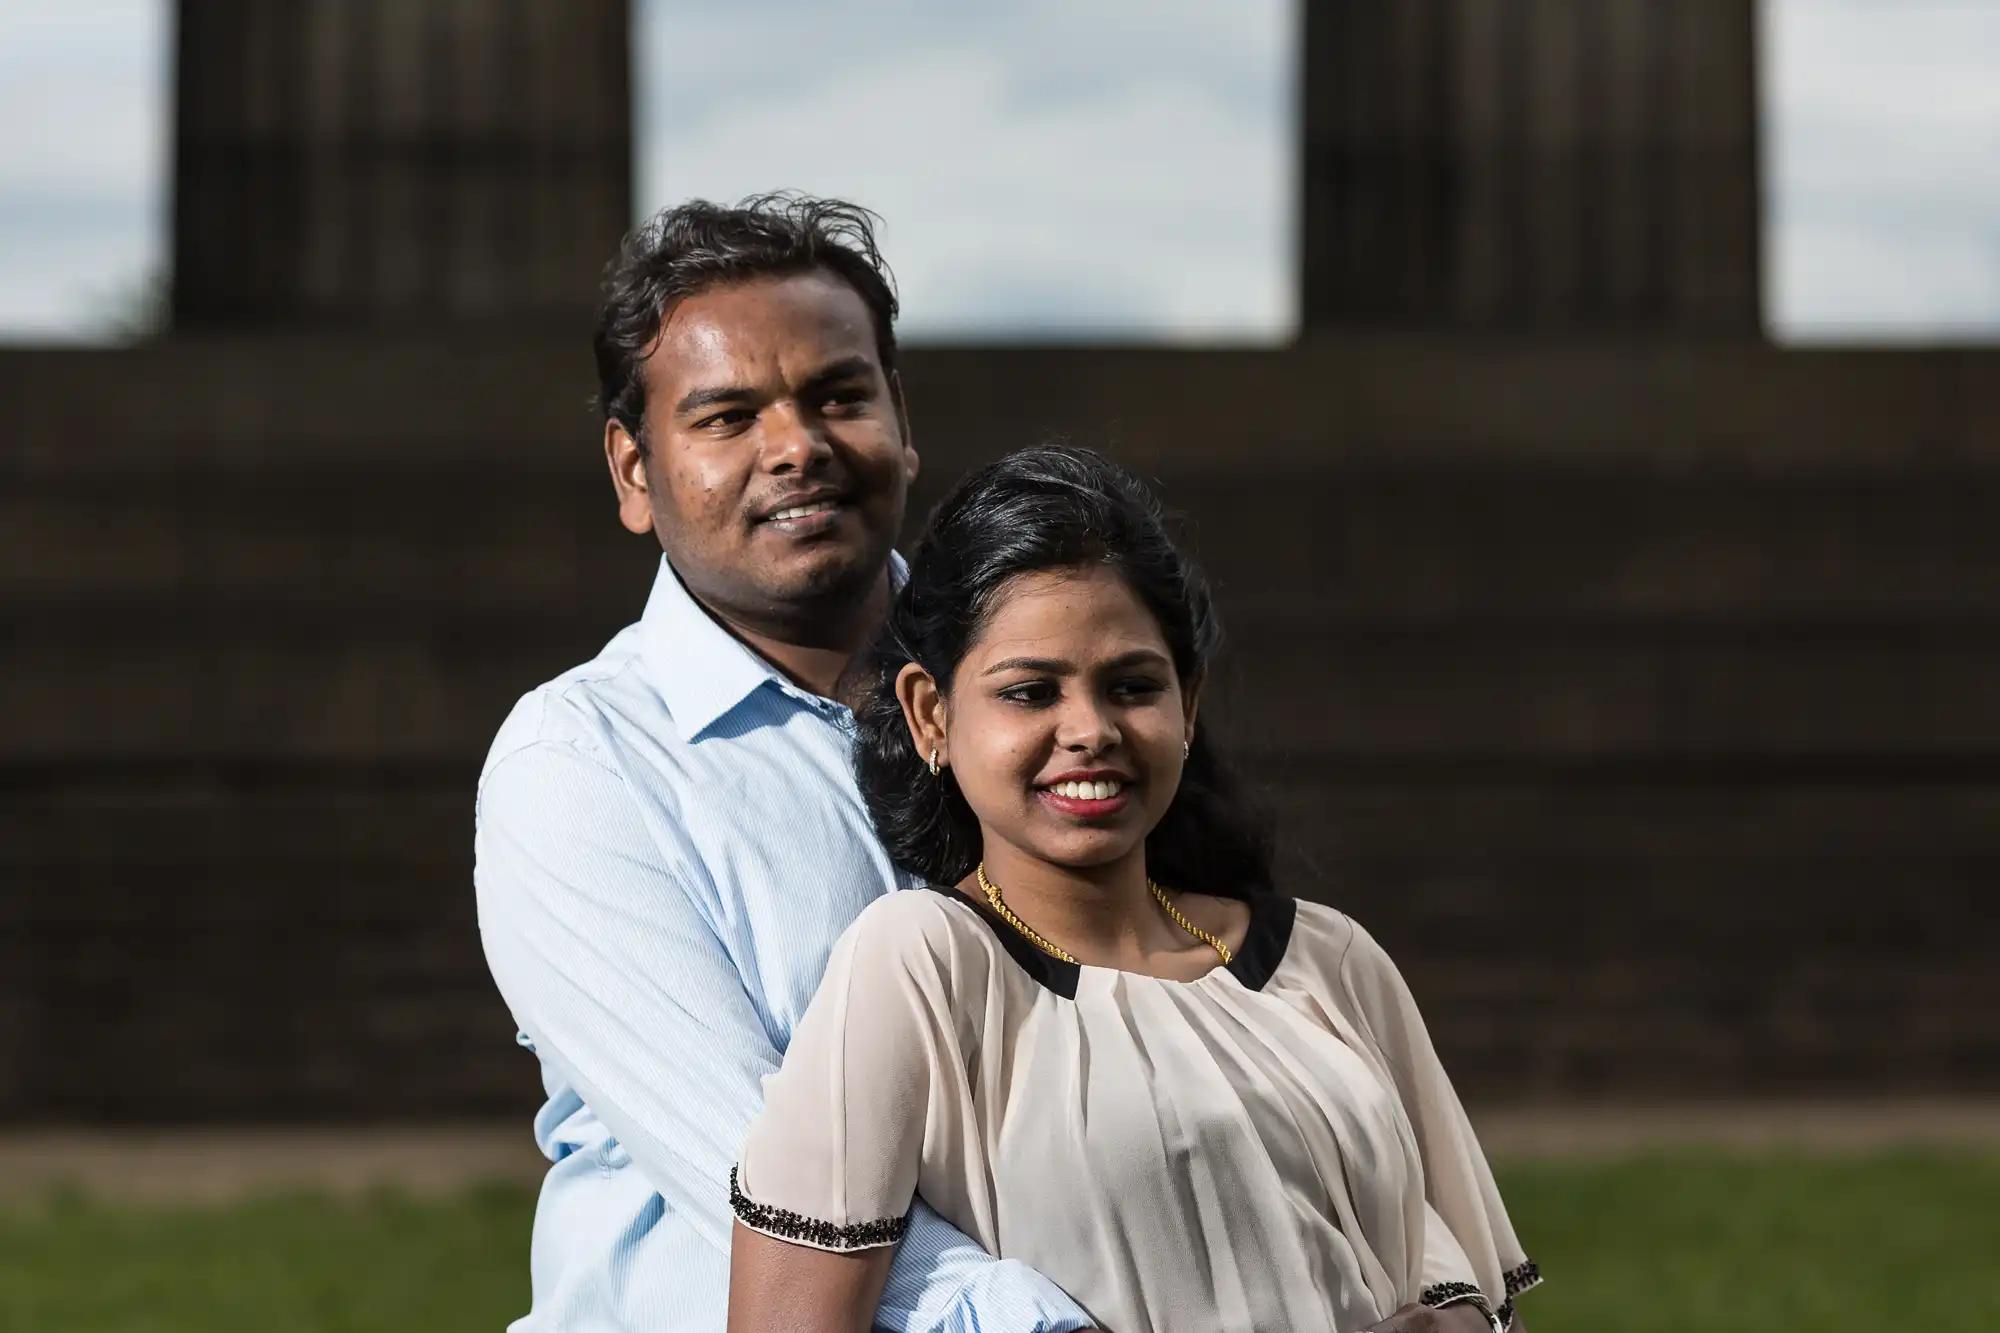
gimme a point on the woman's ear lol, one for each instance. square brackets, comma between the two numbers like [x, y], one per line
[1191, 704]
[924, 712]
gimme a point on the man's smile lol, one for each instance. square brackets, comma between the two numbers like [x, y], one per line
[806, 513]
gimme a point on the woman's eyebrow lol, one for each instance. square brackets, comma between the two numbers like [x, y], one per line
[1137, 657]
[1054, 666]
[1048, 665]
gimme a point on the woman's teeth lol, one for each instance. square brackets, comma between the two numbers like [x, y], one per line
[1088, 791]
[803, 511]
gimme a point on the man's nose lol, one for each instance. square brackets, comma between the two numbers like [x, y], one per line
[793, 441]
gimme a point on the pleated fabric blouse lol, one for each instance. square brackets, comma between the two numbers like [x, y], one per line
[1274, 1146]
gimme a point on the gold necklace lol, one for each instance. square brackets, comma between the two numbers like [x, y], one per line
[1006, 914]
[1190, 927]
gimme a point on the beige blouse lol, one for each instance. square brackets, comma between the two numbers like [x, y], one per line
[1272, 1147]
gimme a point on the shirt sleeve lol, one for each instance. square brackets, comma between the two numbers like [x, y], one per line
[1448, 1276]
[613, 971]
[832, 1161]
[1459, 1189]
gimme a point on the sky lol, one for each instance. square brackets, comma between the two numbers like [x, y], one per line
[85, 137]
[1099, 170]
[1882, 169]
[1065, 169]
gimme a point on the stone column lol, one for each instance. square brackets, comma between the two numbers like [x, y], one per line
[1531, 164]
[378, 162]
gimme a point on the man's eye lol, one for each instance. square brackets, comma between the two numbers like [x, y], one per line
[735, 416]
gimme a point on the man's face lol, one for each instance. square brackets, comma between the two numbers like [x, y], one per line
[776, 465]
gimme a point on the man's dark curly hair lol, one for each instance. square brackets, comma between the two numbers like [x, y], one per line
[698, 245]
[1050, 507]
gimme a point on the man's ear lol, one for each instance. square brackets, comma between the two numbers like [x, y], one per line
[924, 712]
[911, 462]
[626, 458]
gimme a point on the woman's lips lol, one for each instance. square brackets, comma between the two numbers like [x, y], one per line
[1087, 799]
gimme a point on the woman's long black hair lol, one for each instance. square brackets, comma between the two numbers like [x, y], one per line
[1050, 507]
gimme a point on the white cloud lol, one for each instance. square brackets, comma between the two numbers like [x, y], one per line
[1117, 169]
[84, 141]
[1854, 281]
[1883, 153]
[1086, 169]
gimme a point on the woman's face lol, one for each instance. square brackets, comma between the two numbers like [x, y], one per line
[1066, 720]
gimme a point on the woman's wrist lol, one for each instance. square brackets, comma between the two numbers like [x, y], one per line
[1462, 1305]
[1462, 1314]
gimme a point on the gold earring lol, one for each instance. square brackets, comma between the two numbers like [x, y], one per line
[1187, 749]
[934, 762]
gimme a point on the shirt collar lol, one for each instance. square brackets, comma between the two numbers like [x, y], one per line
[702, 670]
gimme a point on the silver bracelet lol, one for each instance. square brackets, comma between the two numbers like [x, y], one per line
[1442, 1294]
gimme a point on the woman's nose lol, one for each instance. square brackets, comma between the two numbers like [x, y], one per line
[1086, 727]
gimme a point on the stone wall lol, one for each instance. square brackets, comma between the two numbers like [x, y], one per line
[1637, 694]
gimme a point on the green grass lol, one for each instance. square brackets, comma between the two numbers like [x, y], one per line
[1700, 1242]
[1730, 1245]
[293, 1264]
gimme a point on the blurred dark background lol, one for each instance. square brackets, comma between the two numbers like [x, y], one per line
[1630, 677]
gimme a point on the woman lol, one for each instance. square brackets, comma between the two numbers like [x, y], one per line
[1103, 1045]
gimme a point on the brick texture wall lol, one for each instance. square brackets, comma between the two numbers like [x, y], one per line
[1638, 695]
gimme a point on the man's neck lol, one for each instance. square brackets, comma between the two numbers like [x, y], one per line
[815, 650]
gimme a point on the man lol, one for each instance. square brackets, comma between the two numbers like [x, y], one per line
[669, 838]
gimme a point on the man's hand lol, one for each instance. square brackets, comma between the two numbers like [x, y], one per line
[1465, 1317]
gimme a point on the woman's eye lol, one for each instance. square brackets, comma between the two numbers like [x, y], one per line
[1031, 692]
[1137, 689]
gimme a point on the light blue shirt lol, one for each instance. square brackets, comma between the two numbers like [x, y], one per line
[669, 841]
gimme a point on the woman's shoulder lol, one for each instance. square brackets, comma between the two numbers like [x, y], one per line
[929, 923]
[1336, 945]
[1322, 928]
[929, 908]
[920, 951]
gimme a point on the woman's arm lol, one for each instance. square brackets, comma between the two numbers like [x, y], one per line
[828, 1172]
[1463, 1201]
[1414, 1318]
[778, 1287]
[826, 1176]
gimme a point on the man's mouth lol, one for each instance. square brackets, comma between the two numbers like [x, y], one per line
[807, 518]
[803, 511]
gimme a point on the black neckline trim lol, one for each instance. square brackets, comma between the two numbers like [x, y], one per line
[1272, 915]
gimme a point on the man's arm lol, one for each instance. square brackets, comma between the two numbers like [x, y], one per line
[607, 963]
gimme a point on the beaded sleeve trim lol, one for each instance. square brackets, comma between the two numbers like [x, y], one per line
[1450, 1293]
[784, 1224]
[1519, 1279]
[1440, 1294]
